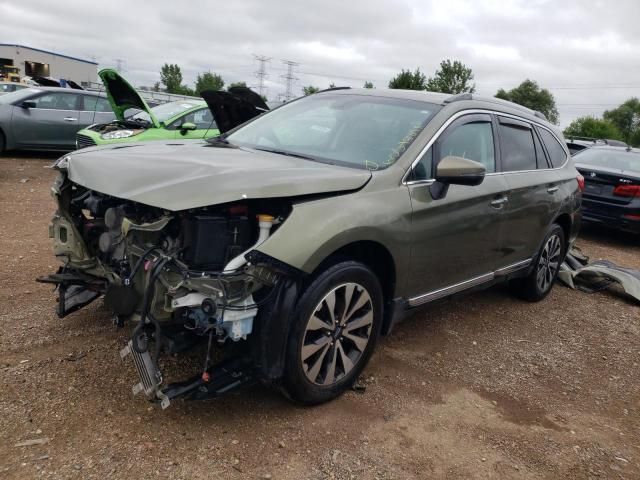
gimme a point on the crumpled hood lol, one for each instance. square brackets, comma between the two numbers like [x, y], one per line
[181, 175]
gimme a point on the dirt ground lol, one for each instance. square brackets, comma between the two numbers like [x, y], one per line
[483, 386]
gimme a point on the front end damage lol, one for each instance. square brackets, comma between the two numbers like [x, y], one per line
[182, 280]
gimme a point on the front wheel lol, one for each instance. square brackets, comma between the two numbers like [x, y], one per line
[336, 327]
[538, 283]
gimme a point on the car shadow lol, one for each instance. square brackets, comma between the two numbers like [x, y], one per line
[32, 155]
[608, 236]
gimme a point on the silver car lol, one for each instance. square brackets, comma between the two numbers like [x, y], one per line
[47, 118]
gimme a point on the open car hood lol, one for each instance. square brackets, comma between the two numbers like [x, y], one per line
[191, 174]
[122, 96]
[234, 107]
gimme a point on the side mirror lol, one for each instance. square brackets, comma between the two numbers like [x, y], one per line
[28, 104]
[460, 171]
[186, 126]
[456, 171]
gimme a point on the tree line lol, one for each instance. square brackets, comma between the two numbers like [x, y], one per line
[171, 80]
[454, 77]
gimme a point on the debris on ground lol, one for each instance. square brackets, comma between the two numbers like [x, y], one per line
[578, 273]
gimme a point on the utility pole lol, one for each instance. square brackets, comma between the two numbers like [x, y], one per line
[261, 73]
[290, 78]
[119, 63]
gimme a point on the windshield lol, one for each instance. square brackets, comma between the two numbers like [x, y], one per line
[19, 95]
[362, 131]
[166, 111]
[618, 160]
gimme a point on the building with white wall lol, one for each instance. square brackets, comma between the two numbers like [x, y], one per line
[43, 63]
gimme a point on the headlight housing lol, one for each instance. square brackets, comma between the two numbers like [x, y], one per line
[119, 134]
[62, 163]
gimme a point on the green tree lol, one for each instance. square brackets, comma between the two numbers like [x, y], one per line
[409, 80]
[453, 77]
[627, 118]
[237, 84]
[530, 95]
[593, 128]
[171, 78]
[208, 81]
[310, 90]
[368, 85]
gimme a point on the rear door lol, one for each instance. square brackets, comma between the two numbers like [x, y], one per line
[534, 195]
[458, 238]
[52, 123]
[94, 109]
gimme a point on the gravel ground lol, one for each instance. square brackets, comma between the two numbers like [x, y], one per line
[483, 386]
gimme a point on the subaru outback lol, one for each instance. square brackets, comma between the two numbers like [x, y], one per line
[280, 251]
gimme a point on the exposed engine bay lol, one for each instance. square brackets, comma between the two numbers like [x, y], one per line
[180, 279]
[136, 125]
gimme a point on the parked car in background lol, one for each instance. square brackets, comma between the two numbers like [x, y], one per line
[8, 87]
[577, 144]
[182, 119]
[293, 241]
[47, 118]
[612, 186]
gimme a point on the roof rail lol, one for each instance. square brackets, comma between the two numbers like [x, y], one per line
[333, 88]
[540, 115]
[607, 141]
[459, 98]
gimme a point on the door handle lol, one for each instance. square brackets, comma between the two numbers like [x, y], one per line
[552, 189]
[499, 202]
[70, 119]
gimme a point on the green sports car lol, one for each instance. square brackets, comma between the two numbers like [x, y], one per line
[183, 119]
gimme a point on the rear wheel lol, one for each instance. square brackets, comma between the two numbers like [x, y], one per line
[539, 282]
[335, 331]
[3, 143]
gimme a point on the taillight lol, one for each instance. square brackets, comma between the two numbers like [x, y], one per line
[629, 191]
[580, 179]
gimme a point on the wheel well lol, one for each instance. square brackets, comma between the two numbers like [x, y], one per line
[375, 256]
[564, 221]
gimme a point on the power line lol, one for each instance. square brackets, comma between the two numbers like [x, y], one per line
[290, 78]
[261, 73]
[119, 63]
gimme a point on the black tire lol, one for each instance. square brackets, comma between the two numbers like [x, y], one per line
[341, 281]
[3, 143]
[546, 265]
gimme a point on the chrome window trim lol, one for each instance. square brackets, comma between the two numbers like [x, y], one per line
[464, 285]
[462, 113]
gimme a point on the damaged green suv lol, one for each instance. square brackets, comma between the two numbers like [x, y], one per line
[290, 243]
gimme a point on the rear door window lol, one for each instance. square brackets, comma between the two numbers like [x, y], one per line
[557, 154]
[96, 104]
[517, 145]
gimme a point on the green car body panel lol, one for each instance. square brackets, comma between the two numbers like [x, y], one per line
[429, 224]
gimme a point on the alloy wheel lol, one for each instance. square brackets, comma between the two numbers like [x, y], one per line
[337, 334]
[549, 262]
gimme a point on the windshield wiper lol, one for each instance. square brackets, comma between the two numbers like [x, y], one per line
[220, 141]
[285, 152]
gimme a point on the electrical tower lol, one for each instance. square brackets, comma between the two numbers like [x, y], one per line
[261, 73]
[290, 78]
[119, 63]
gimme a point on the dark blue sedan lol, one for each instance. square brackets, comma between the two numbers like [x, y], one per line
[612, 186]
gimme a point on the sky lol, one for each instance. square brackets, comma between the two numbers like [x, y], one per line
[585, 52]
